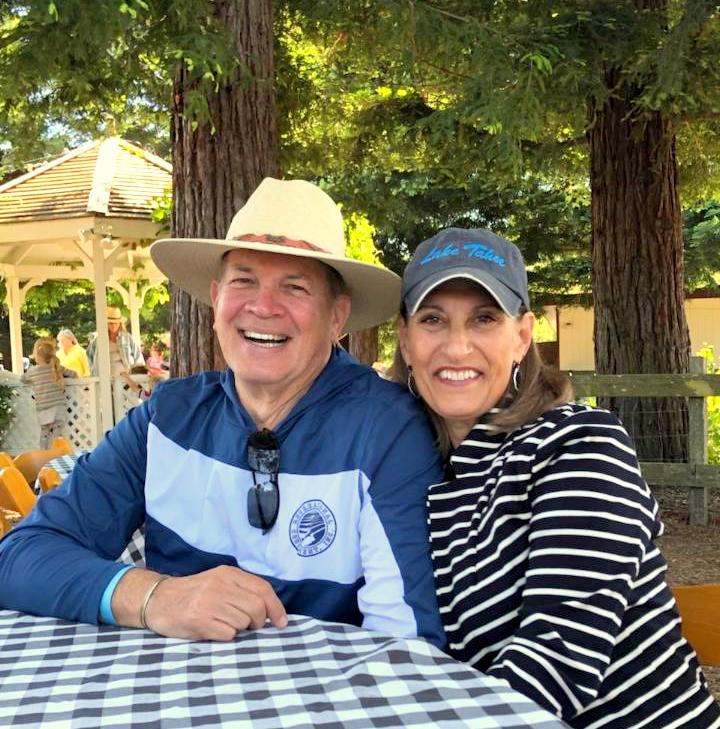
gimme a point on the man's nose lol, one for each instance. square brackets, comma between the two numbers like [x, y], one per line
[265, 302]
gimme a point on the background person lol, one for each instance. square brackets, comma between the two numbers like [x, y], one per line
[71, 354]
[46, 378]
[155, 363]
[542, 534]
[124, 350]
[292, 482]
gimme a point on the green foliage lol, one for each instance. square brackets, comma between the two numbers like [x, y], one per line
[701, 234]
[713, 408]
[7, 409]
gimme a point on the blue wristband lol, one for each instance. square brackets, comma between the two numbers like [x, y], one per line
[106, 613]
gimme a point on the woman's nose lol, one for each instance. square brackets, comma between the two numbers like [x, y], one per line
[458, 343]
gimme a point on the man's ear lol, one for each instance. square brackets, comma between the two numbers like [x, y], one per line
[342, 306]
[214, 289]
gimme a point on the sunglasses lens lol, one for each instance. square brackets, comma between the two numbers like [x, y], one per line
[263, 503]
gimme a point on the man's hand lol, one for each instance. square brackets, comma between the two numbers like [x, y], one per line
[211, 605]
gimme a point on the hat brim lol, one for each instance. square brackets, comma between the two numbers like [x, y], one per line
[193, 263]
[505, 297]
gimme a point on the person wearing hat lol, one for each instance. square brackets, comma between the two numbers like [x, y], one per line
[292, 482]
[545, 569]
[124, 350]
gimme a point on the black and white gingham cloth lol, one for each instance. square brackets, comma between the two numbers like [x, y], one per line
[135, 551]
[59, 675]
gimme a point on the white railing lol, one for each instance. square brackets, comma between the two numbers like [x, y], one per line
[83, 423]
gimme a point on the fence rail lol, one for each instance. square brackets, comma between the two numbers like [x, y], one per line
[697, 475]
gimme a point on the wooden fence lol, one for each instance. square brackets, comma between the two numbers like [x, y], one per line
[696, 474]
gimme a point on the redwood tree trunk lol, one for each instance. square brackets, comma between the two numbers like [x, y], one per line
[364, 345]
[218, 163]
[637, 258]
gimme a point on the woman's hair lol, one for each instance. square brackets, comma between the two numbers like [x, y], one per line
[44, 353]
[67, 333]
[540, 388]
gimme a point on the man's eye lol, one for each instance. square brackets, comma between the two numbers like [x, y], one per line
[297, 288]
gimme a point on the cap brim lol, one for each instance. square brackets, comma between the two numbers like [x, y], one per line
[193, 263]
[505, 297]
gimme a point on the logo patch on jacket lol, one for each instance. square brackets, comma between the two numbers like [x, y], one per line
[312, 528]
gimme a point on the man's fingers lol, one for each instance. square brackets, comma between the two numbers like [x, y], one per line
[272, 608]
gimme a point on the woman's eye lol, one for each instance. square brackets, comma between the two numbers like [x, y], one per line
[486, 318]
[429, 319]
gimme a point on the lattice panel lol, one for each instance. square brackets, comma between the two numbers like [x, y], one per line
[83, 424]
[82, 427]
[125, 399]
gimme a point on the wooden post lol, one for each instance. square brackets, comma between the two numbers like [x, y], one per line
[697, 447]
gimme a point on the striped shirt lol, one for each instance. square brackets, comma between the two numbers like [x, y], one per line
[547, 575]
[49, 393]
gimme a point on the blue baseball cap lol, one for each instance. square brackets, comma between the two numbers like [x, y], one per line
[475, 254]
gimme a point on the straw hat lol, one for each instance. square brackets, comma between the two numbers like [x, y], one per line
[311, 221]
[114, 315]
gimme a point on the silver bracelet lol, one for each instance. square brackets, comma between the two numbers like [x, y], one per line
[146, 602]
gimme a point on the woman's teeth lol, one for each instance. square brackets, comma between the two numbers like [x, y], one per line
[458, 375]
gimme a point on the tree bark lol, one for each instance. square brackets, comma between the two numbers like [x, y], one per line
[637, 260]
[364, 345]
[219, 162]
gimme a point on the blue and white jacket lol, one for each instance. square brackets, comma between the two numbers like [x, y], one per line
[356, 459]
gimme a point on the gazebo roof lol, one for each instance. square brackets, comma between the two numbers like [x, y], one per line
[104, 189]
[109, 177]
[87, 214]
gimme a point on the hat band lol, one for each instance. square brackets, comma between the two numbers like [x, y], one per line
[278, 240]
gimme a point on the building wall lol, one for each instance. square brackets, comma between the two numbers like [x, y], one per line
[575, 332]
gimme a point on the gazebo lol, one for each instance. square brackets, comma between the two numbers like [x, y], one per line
[84, 215]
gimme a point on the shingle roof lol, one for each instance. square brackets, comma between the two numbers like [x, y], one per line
[110, 177]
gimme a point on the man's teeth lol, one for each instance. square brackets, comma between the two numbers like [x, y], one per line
[265, 339]
[458, 374]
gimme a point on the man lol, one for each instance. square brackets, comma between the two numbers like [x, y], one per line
[124, 350]
[294, 482]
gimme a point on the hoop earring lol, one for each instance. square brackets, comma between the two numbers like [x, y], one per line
[515, 376]
[411, 386]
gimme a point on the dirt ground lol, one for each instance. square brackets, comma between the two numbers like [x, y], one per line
[692, 552]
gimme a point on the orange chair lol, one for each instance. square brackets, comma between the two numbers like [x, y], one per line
[699, 607]
[15, 494]
[5, 460]
[48, 478]
[29, 463]
[63, 445]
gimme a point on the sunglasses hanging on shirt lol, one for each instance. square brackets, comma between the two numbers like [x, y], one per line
[263, 500]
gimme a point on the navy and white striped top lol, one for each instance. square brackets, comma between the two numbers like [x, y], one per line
[547, 575]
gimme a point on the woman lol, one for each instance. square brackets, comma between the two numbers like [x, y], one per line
[124, 351]
[71, 354]
[545, 568]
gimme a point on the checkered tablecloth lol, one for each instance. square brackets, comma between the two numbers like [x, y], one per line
[55, 674]
[135, 550]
